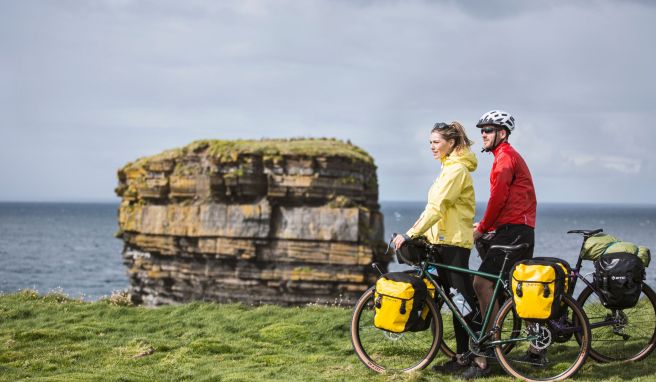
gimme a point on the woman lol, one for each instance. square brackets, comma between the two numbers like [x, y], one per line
[447, 221]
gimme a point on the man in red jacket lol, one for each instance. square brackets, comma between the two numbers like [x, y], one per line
[510, 212]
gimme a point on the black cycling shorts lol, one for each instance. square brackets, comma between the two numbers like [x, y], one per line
[506, 235]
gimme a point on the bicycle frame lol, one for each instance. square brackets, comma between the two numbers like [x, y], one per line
[576, 271]
[576, 274]
[510, 336]
[499, 284]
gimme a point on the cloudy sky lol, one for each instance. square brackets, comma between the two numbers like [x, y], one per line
[86, 87]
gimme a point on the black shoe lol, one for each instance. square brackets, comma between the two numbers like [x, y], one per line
[490, 355]
[450, 367]
[473, 371]
[535, 359]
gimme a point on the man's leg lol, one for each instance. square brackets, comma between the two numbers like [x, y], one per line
[484, 289]
[492, 264]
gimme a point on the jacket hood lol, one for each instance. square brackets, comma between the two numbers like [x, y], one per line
[465, 157]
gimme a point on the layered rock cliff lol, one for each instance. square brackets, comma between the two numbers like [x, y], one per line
[270, 221]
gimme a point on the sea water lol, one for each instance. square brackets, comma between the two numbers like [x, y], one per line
[71, 246]
[61, 246]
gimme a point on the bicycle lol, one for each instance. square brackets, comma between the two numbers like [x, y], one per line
[448, 333]
[618, 335]
[386, 352]
[622, 335]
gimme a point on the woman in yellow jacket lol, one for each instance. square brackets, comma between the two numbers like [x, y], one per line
[448, 221]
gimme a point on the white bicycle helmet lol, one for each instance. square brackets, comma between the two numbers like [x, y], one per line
[497, 118]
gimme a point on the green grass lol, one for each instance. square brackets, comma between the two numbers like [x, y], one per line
[55, 338]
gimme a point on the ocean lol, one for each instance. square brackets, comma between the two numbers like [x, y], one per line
[71, 248]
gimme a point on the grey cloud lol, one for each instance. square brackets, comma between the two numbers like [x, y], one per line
[130, 78]
[507, 10]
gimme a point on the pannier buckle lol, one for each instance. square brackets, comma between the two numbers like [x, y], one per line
[519, 289]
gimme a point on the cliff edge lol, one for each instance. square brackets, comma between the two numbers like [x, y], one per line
[270, 221]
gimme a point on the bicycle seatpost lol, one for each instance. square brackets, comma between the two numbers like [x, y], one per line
[505, 260]
[586, 235]
[507, 250]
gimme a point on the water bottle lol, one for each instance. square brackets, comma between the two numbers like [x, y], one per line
[460, 302]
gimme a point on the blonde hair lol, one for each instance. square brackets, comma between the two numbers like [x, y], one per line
[454, 131]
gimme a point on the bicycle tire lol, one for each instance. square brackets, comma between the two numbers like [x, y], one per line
[386, 352]
[448, 342]
[608, 341]
[561, 359]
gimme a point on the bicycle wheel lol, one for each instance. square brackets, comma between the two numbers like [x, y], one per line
[537, 356]
[622, 335]
[385, 352]
[448, 344]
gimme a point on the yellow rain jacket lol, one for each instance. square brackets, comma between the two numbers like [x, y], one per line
[449, 215]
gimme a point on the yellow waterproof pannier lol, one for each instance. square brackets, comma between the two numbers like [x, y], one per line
[399, 301]
[538, 286]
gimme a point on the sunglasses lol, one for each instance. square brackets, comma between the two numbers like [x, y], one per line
[488, 130]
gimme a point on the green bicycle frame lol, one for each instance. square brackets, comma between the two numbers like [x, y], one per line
[499, 284]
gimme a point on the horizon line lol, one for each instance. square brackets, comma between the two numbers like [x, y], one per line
[108, 201]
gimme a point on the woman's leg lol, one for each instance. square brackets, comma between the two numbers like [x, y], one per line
[459, 257]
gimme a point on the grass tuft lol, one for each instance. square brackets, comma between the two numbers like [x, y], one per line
[118, 298]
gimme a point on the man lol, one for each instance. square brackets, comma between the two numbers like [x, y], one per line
[510, 212]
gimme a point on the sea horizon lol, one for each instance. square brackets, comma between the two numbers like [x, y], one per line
[70, 246]
[117, 202]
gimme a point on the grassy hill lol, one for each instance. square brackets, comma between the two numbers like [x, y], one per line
[55, 338]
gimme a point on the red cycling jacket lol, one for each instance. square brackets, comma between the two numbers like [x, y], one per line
[512, 195]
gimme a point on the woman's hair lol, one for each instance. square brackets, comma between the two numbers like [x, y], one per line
[454, 131]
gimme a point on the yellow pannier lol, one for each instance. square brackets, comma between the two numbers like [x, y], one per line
[538, 286]
[399, 302]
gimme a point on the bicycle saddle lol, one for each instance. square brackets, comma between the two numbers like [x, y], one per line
[586, 232]
[509, 248]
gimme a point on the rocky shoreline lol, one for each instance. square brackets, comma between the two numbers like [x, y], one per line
[273, 221]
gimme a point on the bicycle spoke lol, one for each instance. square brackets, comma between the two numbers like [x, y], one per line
[621, 335]
[384, 351]
[543, 351]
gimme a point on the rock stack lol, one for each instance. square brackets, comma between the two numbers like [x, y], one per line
[272, 221]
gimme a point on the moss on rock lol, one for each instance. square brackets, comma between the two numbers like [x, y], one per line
[226, 151]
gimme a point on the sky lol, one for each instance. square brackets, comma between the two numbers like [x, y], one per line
[86, 87]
